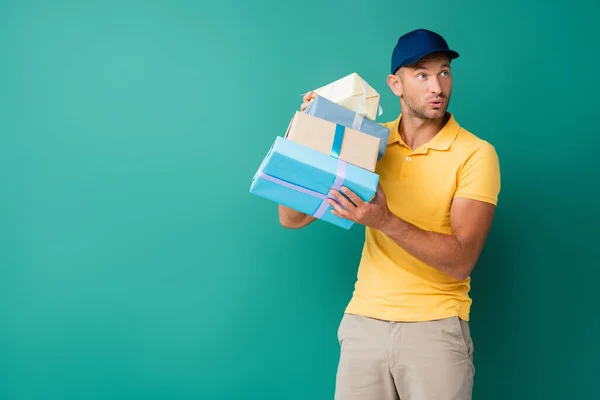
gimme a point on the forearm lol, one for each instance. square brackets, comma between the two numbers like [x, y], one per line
[443, 252]
[290, 218]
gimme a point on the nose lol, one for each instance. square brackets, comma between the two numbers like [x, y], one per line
[435, 86]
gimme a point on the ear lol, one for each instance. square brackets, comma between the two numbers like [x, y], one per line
[395, 85]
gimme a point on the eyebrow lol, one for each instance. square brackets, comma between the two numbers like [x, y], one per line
[422, 66]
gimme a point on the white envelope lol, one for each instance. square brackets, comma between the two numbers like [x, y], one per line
[355, 94]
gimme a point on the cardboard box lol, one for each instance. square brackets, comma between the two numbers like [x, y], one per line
[338, 141]
[300, 178]
[354, 93]
[333, 112]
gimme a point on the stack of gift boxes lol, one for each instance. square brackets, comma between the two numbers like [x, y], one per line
[335, 142]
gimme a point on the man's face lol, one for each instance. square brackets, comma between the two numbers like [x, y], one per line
[424, 88]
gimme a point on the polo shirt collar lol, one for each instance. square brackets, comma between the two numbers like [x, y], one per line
[442, 141]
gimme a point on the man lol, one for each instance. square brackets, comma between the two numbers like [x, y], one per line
[405, 333]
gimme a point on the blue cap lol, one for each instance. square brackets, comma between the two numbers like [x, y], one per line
[414, 45]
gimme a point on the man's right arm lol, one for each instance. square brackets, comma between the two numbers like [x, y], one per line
[288, 217]
[292, 219]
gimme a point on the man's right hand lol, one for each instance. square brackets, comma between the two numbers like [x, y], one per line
[308, 97]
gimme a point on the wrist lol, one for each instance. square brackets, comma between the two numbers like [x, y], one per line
[388, 222]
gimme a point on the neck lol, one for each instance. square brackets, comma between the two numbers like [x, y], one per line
[415, 131]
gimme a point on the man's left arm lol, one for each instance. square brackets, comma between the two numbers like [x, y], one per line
[454, 254]
[471, 215]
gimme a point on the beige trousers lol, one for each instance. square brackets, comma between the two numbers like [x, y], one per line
[381, 360]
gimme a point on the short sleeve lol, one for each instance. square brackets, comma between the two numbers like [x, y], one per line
[479, 176]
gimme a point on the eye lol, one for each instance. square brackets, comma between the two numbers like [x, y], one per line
[445, 73]
[421, 76]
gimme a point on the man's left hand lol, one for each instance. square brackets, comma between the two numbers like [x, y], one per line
[374, 214]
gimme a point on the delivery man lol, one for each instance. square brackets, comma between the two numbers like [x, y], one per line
[405, 333]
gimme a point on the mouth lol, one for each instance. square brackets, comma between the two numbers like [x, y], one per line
[436, 103]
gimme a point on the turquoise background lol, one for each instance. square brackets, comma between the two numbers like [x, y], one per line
[134, 264]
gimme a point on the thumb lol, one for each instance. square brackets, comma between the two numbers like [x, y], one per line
[379, 195]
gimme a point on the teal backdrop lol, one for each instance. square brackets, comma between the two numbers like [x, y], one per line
[134, 263]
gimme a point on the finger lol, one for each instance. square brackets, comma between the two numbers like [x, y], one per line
[342, 200]
[304, 105]
[352, 196]
[337, 206]
[309, 96]
[340, 212]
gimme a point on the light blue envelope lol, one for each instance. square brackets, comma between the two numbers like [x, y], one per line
[325, 109]
[300, 178]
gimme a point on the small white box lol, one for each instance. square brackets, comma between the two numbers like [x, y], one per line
[354, 93]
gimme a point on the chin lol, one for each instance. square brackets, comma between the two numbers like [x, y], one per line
[437, 113]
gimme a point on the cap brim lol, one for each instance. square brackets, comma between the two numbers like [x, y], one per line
[451, 53]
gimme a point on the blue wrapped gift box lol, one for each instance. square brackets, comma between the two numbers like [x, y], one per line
[300, 178]
[326, 109]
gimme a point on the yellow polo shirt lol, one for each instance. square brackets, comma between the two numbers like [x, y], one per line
[420, 185]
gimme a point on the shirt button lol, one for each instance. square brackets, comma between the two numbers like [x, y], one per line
[408, 158]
